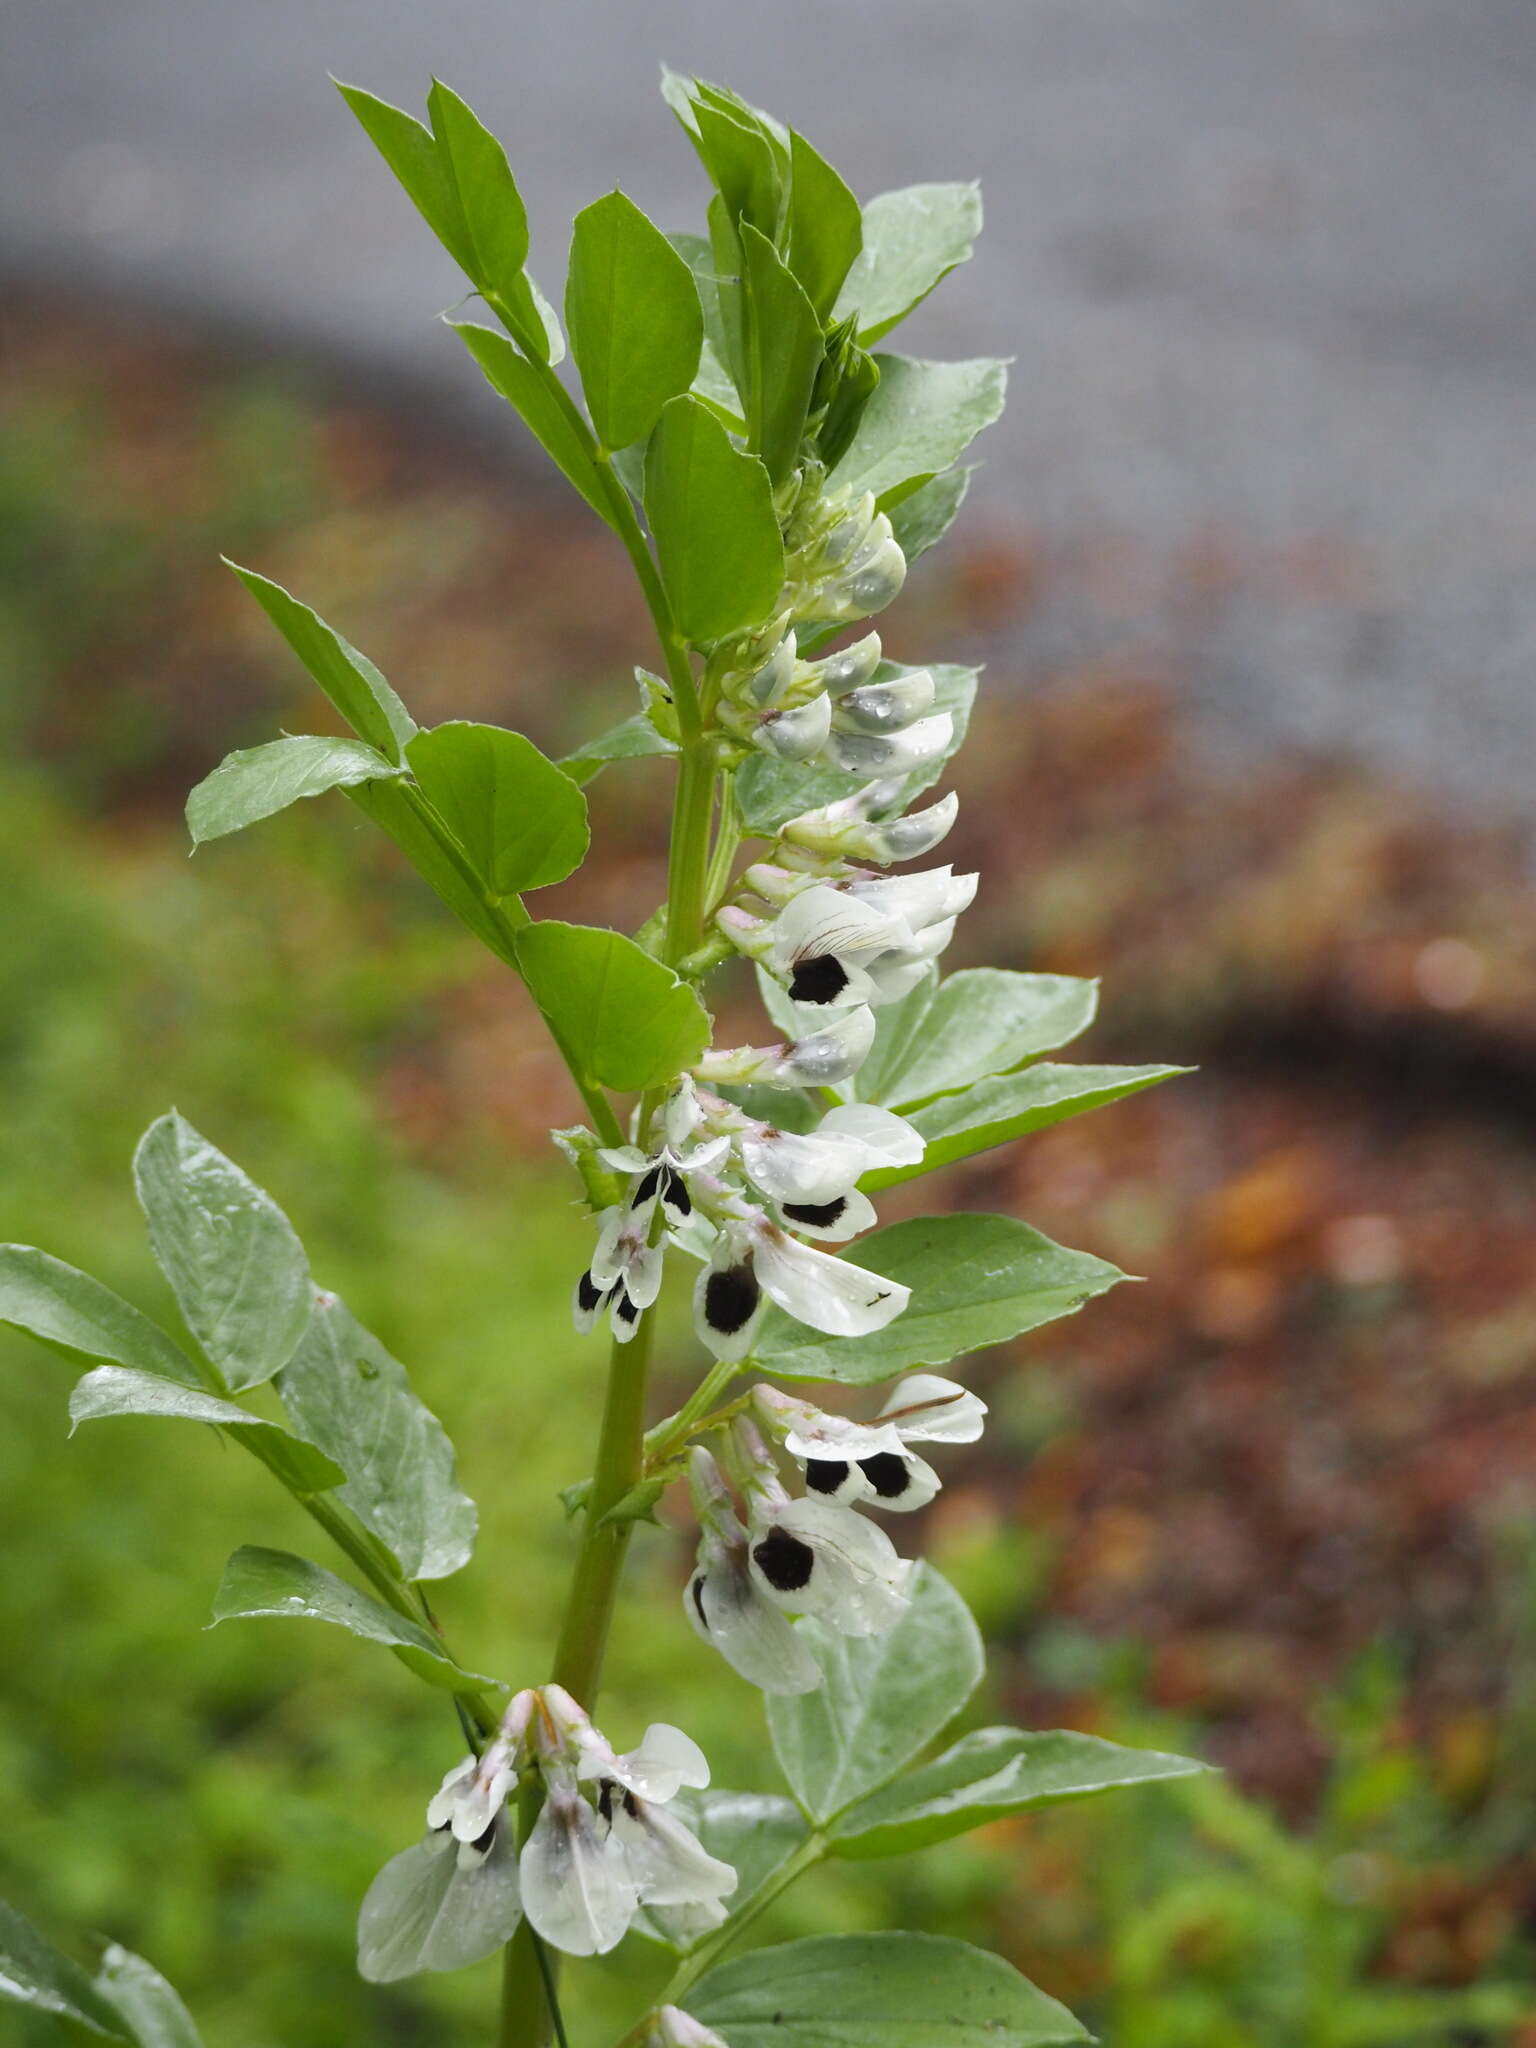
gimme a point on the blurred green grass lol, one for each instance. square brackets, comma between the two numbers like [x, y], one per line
[220, 1800]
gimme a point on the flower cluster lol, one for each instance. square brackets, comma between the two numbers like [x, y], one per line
[604, 1844]
[782, 1555]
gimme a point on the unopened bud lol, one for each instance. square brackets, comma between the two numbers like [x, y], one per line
[919, 746]
[886, 707]
[797, 734]
[851, 667]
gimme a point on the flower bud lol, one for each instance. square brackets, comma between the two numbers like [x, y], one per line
[886, 707]
[767, 685]
[851, 667]
[798, 734]
[919, 746]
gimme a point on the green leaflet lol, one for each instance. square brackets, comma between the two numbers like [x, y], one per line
[116, 1390]
[922, 518]
[878, 1991]
[557, 426]
[260, 1582]
[345, 1392]
[399, 809]
[137, 1990]
[257, 782]
[922, 417]
[634, 739]
[1007, 1106]
[784, 350]
[826, 229]
[356, 688]
[990, 1774]
[634, 316]
[912, 240]
[80, 1319]
[521, 820]
[883, 1698]
[231, 1255]
[710, 508]
[981, 1021]
[34, 1974]
[620, 1017]
[975, 1280]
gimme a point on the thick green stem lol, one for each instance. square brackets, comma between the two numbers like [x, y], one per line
[688, 865]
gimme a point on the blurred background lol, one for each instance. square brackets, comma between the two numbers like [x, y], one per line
[1251, 567]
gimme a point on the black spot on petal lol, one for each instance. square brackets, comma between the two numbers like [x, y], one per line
[674, 1193]
[650, 1181]
[697, 1591]
[631, 1804]
[482, 1842]
[731, 1296]
[820, 979]
[588, 1297]
[605, 1793]
[887, 1474]
[625, 1309]
[825, 1475]
[819, 1215]
[784, 1561]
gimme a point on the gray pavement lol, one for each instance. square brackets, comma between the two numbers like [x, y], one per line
[1267, 268]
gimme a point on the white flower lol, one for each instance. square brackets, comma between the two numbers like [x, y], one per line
[848, 828]
[819, 1060]
[813, 1557]
[893, 753]
[430, 1908]
[933, 897]
[667, 1863]
[578, 1892]
[797, 733]
[624, 1277]
[670, 2027]
[823, 943]
[851, 667]
[662, 1174]
[753, 1258]
[724, 1602]
[848, 1462]
[821, 1166]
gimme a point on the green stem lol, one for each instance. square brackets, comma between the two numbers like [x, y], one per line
[669, 1436]
[525, 2014]
[688, 863]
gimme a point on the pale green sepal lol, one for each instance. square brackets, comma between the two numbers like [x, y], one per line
[260, 1582]
[115, 1390]
[347, 1394]
[989, 1775]
[975, 1280]
[153, 2010]
[883, 1698]
[257, 782]
[356, 688]
[878, 1991]
[232, 1257]
[76, 1316]
[34, 1974]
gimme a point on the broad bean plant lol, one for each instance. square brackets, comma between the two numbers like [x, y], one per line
[770, 468]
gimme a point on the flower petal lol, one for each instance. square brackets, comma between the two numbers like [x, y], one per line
[887, 1139]
[426, 1911]
[665, 1761]
[837, 1220]
[830, 1294]
[577, 1891]
[812, 1557]
[927, 1408]
[727, 1610]
[667, 1862]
